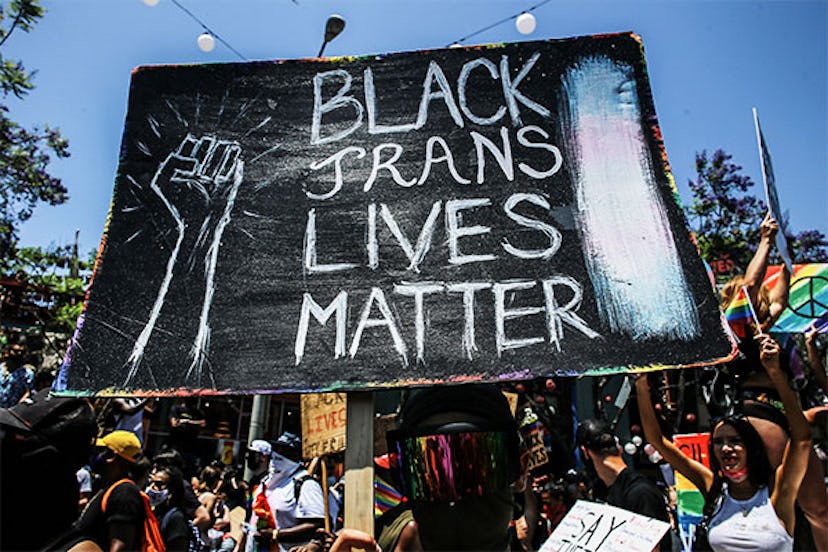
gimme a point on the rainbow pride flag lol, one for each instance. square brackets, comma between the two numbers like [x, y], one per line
[689, 500]
[808, 300]
[738, 314]
[385, 496]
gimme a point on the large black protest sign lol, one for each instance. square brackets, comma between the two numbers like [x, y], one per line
[454, 215]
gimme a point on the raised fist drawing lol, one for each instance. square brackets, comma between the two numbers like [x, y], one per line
[197, 185]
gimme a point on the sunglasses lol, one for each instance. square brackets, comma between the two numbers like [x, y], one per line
[433, 466]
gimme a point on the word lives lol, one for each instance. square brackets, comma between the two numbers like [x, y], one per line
[323, 423]
[459, 227]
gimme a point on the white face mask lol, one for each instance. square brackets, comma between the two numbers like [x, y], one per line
[281, 467]
[156, 497]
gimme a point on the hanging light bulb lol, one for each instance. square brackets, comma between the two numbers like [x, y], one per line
[151, 3]
[525, 23]
[206, 42]
[456, 45]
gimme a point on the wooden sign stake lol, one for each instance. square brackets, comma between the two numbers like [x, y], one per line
[325, 494]
[359, 462]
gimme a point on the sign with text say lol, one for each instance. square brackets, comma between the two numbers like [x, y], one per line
[323, 423]
[471, 214]
[593, 527]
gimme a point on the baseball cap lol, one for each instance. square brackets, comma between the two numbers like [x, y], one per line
[290, 441]
[123, 443]
[261, 446]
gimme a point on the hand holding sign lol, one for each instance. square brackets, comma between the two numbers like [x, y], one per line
[769, 227]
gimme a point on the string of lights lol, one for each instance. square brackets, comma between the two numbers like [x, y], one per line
[524, 27]
[206, 41]
[208, 31]
[524, 20]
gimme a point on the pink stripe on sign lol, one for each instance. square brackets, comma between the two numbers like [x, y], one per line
[628, 244]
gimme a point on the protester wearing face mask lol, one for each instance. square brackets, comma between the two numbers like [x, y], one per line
[199, 515]
[459, 463]
[288, 506]
[166, 494]
[257, 460]
[748, 504]
[121, 464]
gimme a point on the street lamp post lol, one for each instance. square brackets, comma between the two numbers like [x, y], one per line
[333, 27]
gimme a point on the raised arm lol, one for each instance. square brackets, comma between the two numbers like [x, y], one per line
[779, 296]
[696, 472]
[755, 273]
[791, 471]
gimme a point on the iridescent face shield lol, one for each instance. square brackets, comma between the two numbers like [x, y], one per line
[433, 465]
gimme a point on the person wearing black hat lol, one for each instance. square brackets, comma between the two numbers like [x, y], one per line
[288, 506]
[626, 488]
[459, 463]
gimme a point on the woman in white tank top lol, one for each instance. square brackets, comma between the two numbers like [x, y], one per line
[748, 507]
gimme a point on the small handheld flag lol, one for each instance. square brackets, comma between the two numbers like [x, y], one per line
[739, 314]
[385, 496]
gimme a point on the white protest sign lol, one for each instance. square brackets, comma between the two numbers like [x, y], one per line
[772, 194]
[593, 527]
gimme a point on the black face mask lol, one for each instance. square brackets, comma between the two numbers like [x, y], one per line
[473, 523]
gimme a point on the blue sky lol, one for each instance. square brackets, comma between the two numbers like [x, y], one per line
[709, 63]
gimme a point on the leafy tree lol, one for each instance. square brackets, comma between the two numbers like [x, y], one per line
[51, 282]
[725, 216]
[810, 247]
[24, 153]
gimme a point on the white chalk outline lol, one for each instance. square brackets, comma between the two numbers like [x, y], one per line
[231, 169]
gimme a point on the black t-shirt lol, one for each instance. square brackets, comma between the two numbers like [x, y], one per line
[639, 494]
[185, 434]
[173, 526]
[124, 505]
[191, 502]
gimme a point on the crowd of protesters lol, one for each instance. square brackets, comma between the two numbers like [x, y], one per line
[78, 475]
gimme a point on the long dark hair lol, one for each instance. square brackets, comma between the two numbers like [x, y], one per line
[175, 485]
[759, 467]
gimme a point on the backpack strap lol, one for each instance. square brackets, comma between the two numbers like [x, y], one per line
[297, 485]
[112, 488]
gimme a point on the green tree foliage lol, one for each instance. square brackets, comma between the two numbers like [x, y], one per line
[52, 282]
[24, 153]
[725, 216]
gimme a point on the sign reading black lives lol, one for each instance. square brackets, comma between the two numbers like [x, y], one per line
[454, 215]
